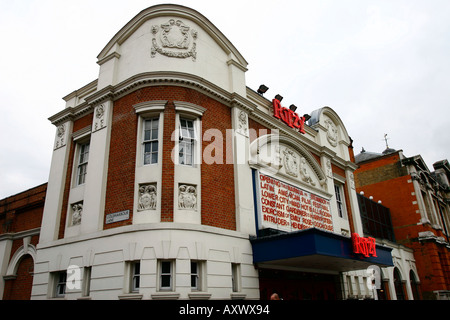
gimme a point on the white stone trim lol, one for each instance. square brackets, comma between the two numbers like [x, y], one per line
[22, 251]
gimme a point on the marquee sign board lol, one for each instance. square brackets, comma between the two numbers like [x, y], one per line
[285, 207]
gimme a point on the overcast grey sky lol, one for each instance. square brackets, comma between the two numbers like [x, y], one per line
[383, 66]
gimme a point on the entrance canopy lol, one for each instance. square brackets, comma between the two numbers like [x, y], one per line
[314, 249]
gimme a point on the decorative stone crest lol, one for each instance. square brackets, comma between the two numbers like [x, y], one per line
[77, 212]
[176, 36]
[332, 134]
[147, 197]
[187, 197]
[290, 162]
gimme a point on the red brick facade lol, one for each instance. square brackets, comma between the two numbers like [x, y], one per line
[386, 179]
[217, 179]
[20, 217]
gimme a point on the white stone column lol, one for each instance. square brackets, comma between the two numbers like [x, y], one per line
[56, 183]
[353, 199]
[95, 187]
[243, 182]
[5, 254]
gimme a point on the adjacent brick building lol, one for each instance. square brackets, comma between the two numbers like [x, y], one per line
[419, 202]
[20, 222]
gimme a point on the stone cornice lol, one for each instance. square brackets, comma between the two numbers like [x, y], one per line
[71, 113]
[144, 80]
[20, 234]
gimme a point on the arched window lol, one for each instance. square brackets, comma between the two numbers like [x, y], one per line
[18, 286]
[414, 285]
[398, 285]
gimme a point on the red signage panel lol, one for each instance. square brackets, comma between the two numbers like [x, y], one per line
[364, 246]
[288, 116]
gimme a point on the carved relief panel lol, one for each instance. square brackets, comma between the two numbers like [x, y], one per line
[99, 117]
[61, 136]
[187, 197]
[147, 197]
[77, 212]
[285, 159]
[290, 161]
[242, 123]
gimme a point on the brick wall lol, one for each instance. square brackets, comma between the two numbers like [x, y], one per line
[217, 179]
[122, 158]
[256, 129]
[168, 166]
[19, 213]
[387, 181]
[22, 211]
[385, 168]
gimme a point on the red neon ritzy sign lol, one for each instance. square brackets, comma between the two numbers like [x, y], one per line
[364, 246]
[288, 116]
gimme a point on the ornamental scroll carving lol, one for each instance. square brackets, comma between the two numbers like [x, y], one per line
[174, 39]
[147, 197]
[187, 197]
[60, 136]
[242, 123]
[99, 119]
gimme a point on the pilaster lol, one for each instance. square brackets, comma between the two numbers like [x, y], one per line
[245, 214]
[57, 178]
[95, 187]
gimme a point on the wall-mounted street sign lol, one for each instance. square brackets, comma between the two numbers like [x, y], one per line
[117, 216]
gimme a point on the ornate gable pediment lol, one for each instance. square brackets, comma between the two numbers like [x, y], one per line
[286, 157]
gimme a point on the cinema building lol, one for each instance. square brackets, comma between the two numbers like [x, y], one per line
[171, 179]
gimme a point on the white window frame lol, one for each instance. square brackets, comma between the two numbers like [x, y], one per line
[235, 277]
[135, 276]
[198, 275]
[82, 162]
[187, 136]
[86, 286]
[339, 195]
[152, 140]
[59, 282]
[191, 112]
[169, 274]
[149, 110]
